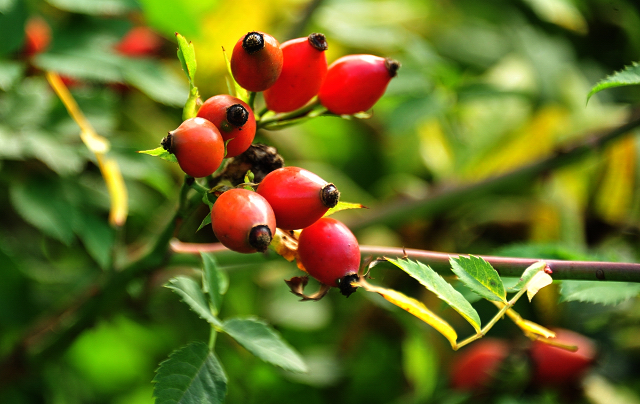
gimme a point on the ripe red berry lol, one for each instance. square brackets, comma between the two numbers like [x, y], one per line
[303, 70]
[256, 61]
[139, 42]
[330, 253]
[354, 83]
[37, 36]
[197, 145]
[555, 366]
[298, 197]
[235, 120]
[243, 221]
[474, 368]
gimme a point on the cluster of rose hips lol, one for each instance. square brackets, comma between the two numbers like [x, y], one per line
[289, 198]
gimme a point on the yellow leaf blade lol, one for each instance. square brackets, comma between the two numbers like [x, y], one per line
[117, 191]
[416, 308]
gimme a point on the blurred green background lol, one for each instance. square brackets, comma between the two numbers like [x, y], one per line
[485, 87]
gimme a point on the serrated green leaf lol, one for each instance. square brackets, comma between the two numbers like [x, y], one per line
[263, 341]
[160, 152]
[528, 274]
[627, 77]
[431, 280]
[192, 294]
[606, 293]
[479, 276]
[187, 56]
[191, 375]
[215, 282]
[344, 206]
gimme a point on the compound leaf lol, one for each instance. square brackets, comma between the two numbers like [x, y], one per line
[627, 77]
[264, 342]
[606, 293]
[436, 284]
[479, 276]
[191, 375]
[192, 294]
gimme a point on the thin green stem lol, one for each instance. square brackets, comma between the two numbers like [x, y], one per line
[212, 338]
[494, 320]
[252, 99]
[287, 116]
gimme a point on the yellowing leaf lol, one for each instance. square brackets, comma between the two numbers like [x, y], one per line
[286, 244]
[615, 196]
[344, 206]
[117, 191]
[435, 150]
[99, 146]
[529, 328]
[416, 308]
[539, 281]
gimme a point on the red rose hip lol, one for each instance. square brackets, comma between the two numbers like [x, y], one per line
[554, 366]
[298, 197]
[256, 61]
[303, 71]
[139, 42]
[330, 253]
[197, 145]
[474, 368]
[243, 221]
[233, 118]
[354, 83]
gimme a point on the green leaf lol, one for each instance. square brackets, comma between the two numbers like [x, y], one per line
[10, 73]
[191, 375]
[187, 56]
[96, 7]
[528, 274]
[97, 236]
[234, 88]
[607, 293]
[192, 294]
[162, 153]
[207, 219]
[44, 204]
[158, 81]
[84, 64]
[215, 282]
[263, 341]
[344, 206]
[436, 284]
[12, 20]
[479, 276]
[627, 77]
[419, 358]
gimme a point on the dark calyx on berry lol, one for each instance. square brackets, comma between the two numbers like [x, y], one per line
[253, 42]
[260, 237]
[318, 41]
[345, 286]
[392, 66]
[237, 115]
[329, 195]
[167, 143]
